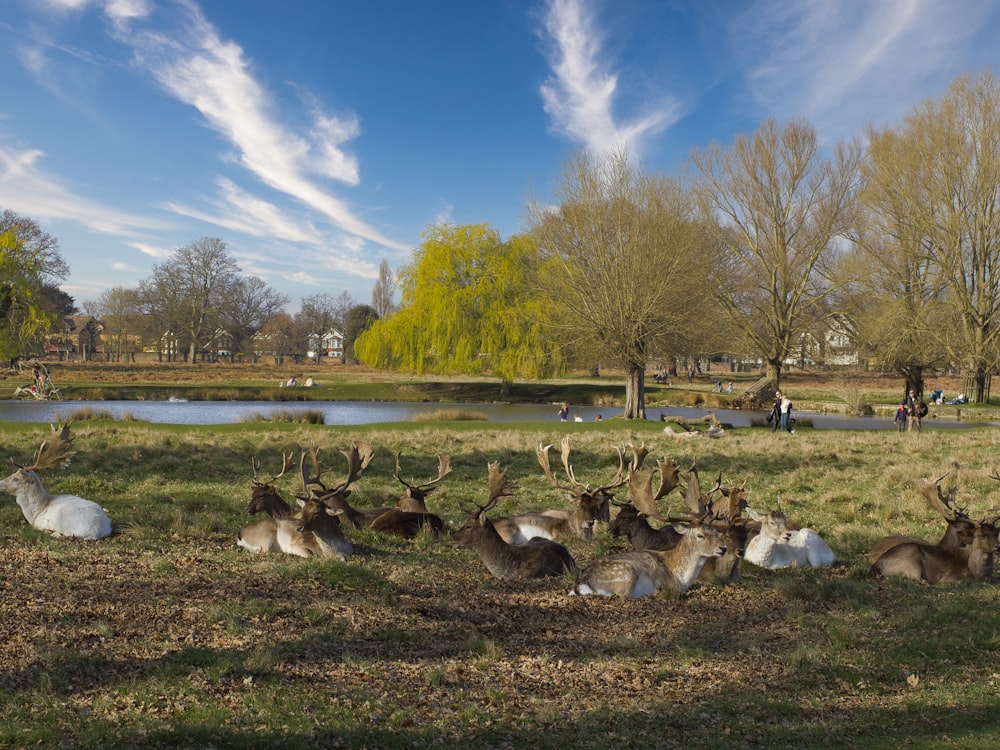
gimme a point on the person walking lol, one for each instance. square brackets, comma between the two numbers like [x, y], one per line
[902, 416]
[914, 408]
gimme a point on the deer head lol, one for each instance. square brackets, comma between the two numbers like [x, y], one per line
[416, 494]
[264, 497]
[596, 499]
[358, 456]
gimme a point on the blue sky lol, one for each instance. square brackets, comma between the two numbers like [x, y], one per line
[318, 137]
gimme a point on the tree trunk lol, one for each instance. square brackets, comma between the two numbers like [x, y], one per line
[506, 387]
[774, 373]
[635, 392]
[977, 385]
[914, 375]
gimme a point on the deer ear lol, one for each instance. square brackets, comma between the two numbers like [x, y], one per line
[753, 514]
[301, 502]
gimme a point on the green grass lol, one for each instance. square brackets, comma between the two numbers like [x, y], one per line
[168, 635]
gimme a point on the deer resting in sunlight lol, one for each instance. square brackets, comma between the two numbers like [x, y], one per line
[63, 515]
[590, 505]
[644, 572]
[387, 520]
[537, 558]
[414, 499]
[931, 563]
[262, 536]
[778, 546]
[320, 528]
[960, 528]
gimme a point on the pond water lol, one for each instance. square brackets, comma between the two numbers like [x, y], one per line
[367, 412]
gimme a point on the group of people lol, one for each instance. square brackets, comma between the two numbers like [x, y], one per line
[781, 414]
[909, 413]
[563, 414]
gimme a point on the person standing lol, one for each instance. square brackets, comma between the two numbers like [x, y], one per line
[913, 408]
[785, 411]
[563, 412]
[902, 416]
[775, 416]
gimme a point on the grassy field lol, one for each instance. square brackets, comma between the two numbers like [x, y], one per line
[168, 635]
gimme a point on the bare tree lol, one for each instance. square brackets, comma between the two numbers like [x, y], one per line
[779, 208]
[188, 290]
[118, 308]
[943, 164]
[383, 292]
[623, 257]
[249, 304]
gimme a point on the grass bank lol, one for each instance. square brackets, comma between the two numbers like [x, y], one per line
[168, 635]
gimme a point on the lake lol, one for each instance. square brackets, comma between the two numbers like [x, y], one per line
[367, 412]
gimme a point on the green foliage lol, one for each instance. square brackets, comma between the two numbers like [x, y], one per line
[22, 317]
[467, 307]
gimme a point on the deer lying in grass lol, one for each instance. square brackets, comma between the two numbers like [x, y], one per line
[643, 572]
[778, 546]
[63, 515]
[386, 520]
[960, 529]
[414, 499]
[931, 563]
[590, 505]
[537, 558]
[262, 536]
[320, 529]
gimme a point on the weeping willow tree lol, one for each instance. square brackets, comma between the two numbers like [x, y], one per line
[466, 307]
[625, 263]
[23, 321]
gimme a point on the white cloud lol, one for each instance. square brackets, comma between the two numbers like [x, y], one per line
[843, 65]
[26, 188]
[580, 95]
[211, 74]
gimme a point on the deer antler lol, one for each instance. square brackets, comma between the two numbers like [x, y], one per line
[943, 504]
[286, 464]
[444, 468]
[307, 478]
[499, 487]
[640, 485]
[54, 453]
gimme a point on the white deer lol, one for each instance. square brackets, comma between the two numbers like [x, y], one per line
[777, 546]
[63, 515]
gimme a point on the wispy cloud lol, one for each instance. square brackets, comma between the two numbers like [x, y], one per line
[843, 65]
[196, 66]
[26, 188]
[580, 95]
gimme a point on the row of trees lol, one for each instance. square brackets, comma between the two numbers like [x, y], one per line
[896, 238]
[192, 305]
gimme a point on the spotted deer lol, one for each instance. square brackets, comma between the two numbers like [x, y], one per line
[537, 558]
[643, 572]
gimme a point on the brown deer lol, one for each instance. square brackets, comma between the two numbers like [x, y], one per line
[538, 558]
[590, 505]
[960, 528]
[726, 517]
[321, 526]
[931, 563]
[276, 533]
[63, 515]
[387, 520]
[644, 572]
[630, 521]
[415, 497]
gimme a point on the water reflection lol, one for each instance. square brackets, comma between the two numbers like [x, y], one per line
[366, 412]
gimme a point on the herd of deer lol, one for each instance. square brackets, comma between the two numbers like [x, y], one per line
[704, 544]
